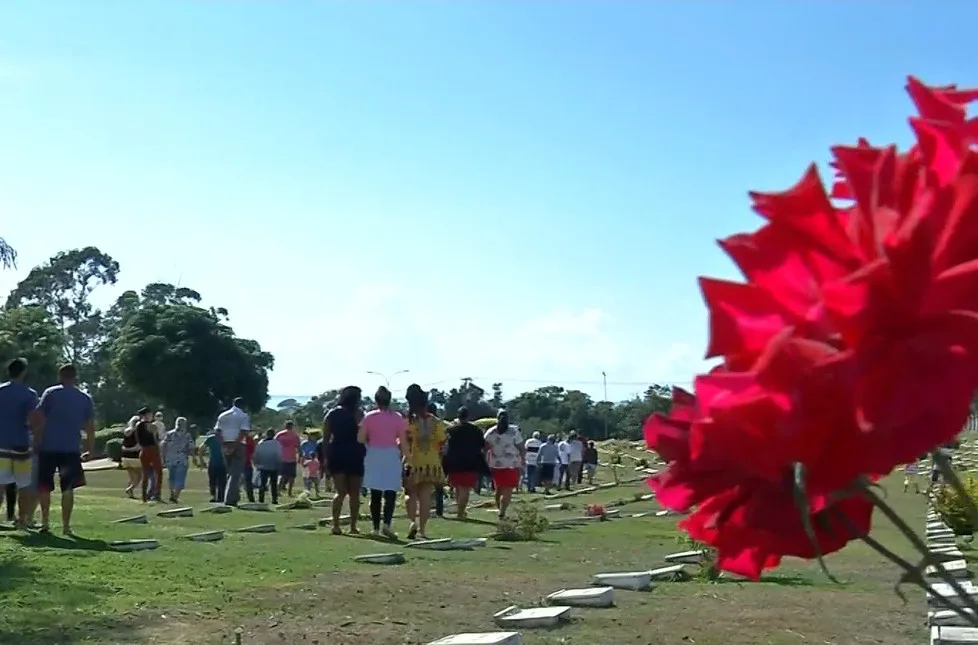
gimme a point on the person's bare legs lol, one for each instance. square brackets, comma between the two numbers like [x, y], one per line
[44, 499]
[505, 496]
[25, 506]
[424, 508]
[67, 506]
[339, 482]
[411, 503]
[353, 490]
[462, 500]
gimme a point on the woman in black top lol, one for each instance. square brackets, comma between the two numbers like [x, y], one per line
[465, 458]
[344, 455]
[149, 457]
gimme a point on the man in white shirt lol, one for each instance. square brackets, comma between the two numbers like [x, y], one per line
[532, 448]
[575, 459]
[231, 426]
[563, 450]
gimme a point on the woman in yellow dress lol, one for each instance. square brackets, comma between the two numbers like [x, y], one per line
[423, 471]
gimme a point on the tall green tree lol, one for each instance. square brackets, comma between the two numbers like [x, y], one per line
[8, 256]
[28, 332]
[190, 360]
[63, 286]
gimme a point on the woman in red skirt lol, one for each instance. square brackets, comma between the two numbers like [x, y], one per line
[464, 459]
[506, 459]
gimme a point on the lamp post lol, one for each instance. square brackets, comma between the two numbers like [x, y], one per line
[387, 379]
[604, 379]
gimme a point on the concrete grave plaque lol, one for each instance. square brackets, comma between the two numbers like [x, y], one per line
[135, 519]
[469, 543]
[381, 558]
[206, 536]
[632, 580]
[953, 636]
[687, 557]
[590, 597]
[484, 638]
[186, 511]
[945, 590]
[442, 544]
[321, 503]
[947, 555]
[557, 507]
[311, 526]
[531, 618]
[948, 618]
[640, 514]
[953, 568]
[258, 528]
[604, 486]
[254, 506]
[134, 545]
[662, 513]
[673, 572]
[217, 509]
[937, 525]
[646, 497]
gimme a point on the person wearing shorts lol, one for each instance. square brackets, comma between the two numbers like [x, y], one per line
[18, 403]
[63, 412]
[506, 454]
[289, 440]
[465, 459]
[547, 461]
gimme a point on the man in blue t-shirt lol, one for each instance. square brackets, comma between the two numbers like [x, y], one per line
[17, 407]
[64, 412]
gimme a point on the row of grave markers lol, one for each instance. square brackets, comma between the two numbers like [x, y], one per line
[946, 626]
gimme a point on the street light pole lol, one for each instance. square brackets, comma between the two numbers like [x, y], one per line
[387, 380]
[604, 379]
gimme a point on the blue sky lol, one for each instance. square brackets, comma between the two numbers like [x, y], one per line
[514, 191]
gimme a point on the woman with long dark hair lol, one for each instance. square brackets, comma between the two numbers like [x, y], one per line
[344, 454]
[383, 432]
[464, 459]
[423, 470]
[506, 458]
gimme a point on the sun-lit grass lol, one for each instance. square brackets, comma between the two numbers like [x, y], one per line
[296, 585]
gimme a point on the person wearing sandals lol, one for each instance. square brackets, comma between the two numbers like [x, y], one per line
[177, 449]
[423, 469]
[18, 403]
[383, 432]
[506, 457]
[345, 454]
[63, 412]
[130, 457]
[465, 460]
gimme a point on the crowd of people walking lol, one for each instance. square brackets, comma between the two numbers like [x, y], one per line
[378, 454]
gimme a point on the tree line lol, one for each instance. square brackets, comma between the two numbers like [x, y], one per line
[158, 346]
[161, 347]
[548, 410]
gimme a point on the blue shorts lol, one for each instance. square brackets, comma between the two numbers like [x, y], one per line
[177, 475]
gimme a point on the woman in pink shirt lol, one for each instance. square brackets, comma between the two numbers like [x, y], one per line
[382, 431]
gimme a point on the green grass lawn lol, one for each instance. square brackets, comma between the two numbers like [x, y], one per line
[296, 586]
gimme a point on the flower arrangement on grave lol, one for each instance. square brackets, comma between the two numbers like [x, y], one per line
[595, 510]
[850, 348]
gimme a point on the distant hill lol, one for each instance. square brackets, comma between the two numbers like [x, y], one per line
[275, 399]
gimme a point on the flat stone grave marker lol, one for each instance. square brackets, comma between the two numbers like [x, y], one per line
[311, 526]
[937, 525]
[663, 512]
[135, 519]
[948, 555]
[639, 514]
[673, 572]
[258, 528]
[948, 618]
[532, 618]
[565, 522]
[589, 597]
[254, 506]
[557, 507]
[442, 544]
[217, 509]
[953, 636]
[134, 545]
[953, 568]
[185, 511]
[607, 485]
[469, 543]
[381, 558]
[206, 536]
[631, 580]
[687, 557]
[321, 503]
[484, 638]
[946, 591]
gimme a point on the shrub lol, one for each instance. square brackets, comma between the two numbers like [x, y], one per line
[103, 436]
[113, 450]
[525, 527]
[642, 463]
[950, 505]
[315, 433]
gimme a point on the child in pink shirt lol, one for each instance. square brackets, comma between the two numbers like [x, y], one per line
[310, 474]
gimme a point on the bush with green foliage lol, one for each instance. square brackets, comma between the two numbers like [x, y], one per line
[113, 450]
[524, 527]
[103, 436]
[950, 506]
